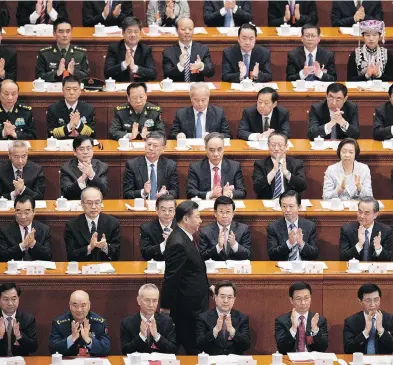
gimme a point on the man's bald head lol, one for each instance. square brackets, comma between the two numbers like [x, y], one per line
[79, 305]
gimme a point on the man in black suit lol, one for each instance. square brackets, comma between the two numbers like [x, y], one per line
[223, 330]
[40, 12]
[366, 239]
[215, 175]
[71, 117]
[336, 117]
[83, 170]
[225, 239]
[187, 60]
[25, 238]
[301, 330]
[92, 236]
[226, 13]
[346, 13]
[129, 59]
[369, 331]
[152, 175]
[154, 234]
[383, 119]
[185, 289]
[260, 120]
[291, 237]
[19, 176]
[148, 331]
[295, 13]
[201, 118]
[311, 62]
[8, 62]
[278, 172]
[17, 329]
[246, 60]
[108, 13]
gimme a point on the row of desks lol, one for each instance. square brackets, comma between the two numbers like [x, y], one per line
[114, 297]
[27, 48]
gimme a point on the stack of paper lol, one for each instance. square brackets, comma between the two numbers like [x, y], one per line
[346, 30]
[365, 265]
[293, 32]
[200, 30]
[81, 361]
[233, 31]
[314, 355]
[387, 144]
[168, 30]
[287, 265]
[201, 142]
[113, 30]
[326, 145]
[106, 268]
[154, 356]
[255, 144]
[49, 265]
[231, 263]
[377, 359]
[227, 359]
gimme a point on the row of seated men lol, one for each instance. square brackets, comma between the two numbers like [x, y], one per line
[216, 13]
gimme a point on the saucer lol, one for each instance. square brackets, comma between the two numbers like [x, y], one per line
[73, 272]
[109, 91]
[353, 271]
[212, 272]
[12, 273]
[338, 209]
[138, 209]
[52, 149]
[62, 210]
[187, 148]
[39, 91]
[296, 271]
[152, 271]
[99, 35]
[123, 149]
[300, 90]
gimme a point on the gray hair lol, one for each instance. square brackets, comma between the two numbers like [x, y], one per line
[146, 287]
[16, 144]
[199, 85]
[91, 188]
[370, 199]
[212, 135]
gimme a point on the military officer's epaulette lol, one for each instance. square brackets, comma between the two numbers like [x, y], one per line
[62, 321]
[122, 107]
[95, 319]
[46, 49]
[24, 106]
[155, 108]
[80, 49]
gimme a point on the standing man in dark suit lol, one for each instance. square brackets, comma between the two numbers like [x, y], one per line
[129, 59]
[152, 175]
[154, 234]
[187, 60]
[278, 172]
[83, 170]
[301, 330]
[246, 60]
[17, 329]
[148, 331]
[369, 331]
[215, 175]
[8, 61]
[291, 237]
[71, 117]
[311, 62]
[347, 13]
[336, 117]
[40, 12]
[366, 239]
[295, 13]
[225, 239]
[185, 289]
[19, 176]
[201, 118]
[383, 119]
[223, 330]
[226, 13]
[25, 238]
[108, 12]
[260, 120]
[92, 236]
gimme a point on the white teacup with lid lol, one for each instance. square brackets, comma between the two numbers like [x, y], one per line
[139, 203]
[57, 359]
[12, 267]
[285, 29]
[51, 143]
[353, 265]
[110, 84]
[39, 84]
[318, 143]
[61, 203]
[3, 203]
[167, 84]
[72, 268]
[99, 30]
[124, 143]
[246, 84]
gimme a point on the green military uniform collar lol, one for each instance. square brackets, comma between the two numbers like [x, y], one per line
[142, 112]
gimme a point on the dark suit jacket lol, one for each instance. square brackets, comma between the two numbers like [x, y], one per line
[131, 341]
[136, 174]
[77, 237]
[276, 12]
[10, 238]
[319, 115]
[184, 122]
[171, 58]
[199, 178]
[252, 122]
[92, 13]
[10, 59]
[28, 343]
[343, 11]
[277, 237]
[32, 175]
[26, 8]
[262, 169]
[208, 238]
[354, 340]
[220, 345]
[232, 56]
[297, 59]
[151, 238]
[383, 121]
[213, 17]
[185, 289]
[69, 175]
[286, 343]
[4, 14]
[143, 58]
[349, 239]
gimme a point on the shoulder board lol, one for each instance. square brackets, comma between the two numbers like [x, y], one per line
[80, 49]
[122, 107]
[62, 321]
[95, 319]
[24, 107]
[155, 108]
[45, 49]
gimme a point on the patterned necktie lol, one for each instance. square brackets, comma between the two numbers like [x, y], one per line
[371, 339]
[9, 336]
[131, 72]
[187, 71]
[93, 228]
[216, 177]
[224, 327]
[310, 63]
[153, 183]
[277, 183]
[246, 60]
[27, 256]
[18, 174]
[301, 333]
[227, 246]
[227, 18]
[358, 4]
[148, 334]
[266, 124]
[366, 246]
[293, 254]
[198, 127]
[42, 13]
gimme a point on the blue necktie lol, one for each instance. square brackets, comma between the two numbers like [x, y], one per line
[333, 133]
[366, 246]
[246, 60]
[227, 18]
[153, 181]
[293, 254]
[371, 339]
[277, 183]
[198, 127]
[310, 62]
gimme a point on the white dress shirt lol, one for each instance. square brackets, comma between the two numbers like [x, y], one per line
[13, 316]
[375, 316]
[144, 339]
[370, 231]
[12, 194]
[89, 221]
[212, 172]
[297, 316]
[52, 15]
[22, 233]
[223, 11]
[73, 110]
[148, 163]
[235, 246]
[254, 136]
[296, 223]
[314, 58]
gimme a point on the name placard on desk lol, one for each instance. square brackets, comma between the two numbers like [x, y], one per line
[91, 270]
[242, 269]
[35, 270]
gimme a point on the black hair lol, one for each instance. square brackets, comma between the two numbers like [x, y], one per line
[135, 85]
[224, 200]
[23, 199]
[185, 208]
[223, 284]
[289, 193]
[299, 285]
[247, 26]
[9, 286]
[59, 21]
[368, 289]
[336, 87]
[348, 141]
[165, 198]
[269, 90]
[130, 21]
[80, 139]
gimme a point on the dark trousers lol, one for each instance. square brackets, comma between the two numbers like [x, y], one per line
[185, 333]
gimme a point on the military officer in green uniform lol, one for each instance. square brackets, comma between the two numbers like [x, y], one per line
[63, 59]
[16, 120]
[136, 118]
[79, 331]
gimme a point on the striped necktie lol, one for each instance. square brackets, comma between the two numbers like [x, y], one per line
[293, 254]
[277, 183]
[301, 333]
[187, 71]
[366, 246]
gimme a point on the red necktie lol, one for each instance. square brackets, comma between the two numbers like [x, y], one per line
[224, 327]
[42, 13]
[131, 72]
[216, 177]
[301, 336]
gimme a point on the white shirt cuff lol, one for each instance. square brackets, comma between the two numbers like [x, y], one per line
[223, 11]
[366, 336]
[143, 195]
[53, 14]
[180, 67]
[292, 333]
[314, 333]
[135, 69]
[208, 195]
[12, 195]
[162, 246]
[391, 129]
[34, 17]
[302, 75]
[358, 248]
[235, 247]
[81, 185]
[320, 74]
[105, 249]
[218, 248]
[289, 245]
[254, 137]
[234, 10]
[378, 251]
[142, 337]
[21, 247]
[157, 338]
[327, 129]
[103, 16]
[345, 127]
[123, 66]
[202, 68]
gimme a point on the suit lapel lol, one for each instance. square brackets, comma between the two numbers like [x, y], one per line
[209, 119]
[138, 55]
[143, 169]
[83, 227]
[274, 119]
[224, 171]
[74, 167]
[16, 232]
[302, 59]
[283, 229]
[238, 57]
[206, 176]
[161, 168]
[269, 167]
[194, 52]
[190, 120]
